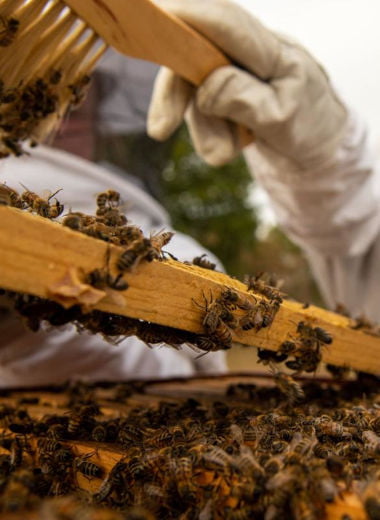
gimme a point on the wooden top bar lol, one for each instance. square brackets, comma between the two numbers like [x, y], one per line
[37, 254]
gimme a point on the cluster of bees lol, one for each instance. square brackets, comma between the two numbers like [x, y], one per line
[304, 350]
[24, 108]
[31, 107]
[113, 327]
[220, 320]
[244, 454]
[111, 225]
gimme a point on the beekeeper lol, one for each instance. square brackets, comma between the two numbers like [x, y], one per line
[310, 152]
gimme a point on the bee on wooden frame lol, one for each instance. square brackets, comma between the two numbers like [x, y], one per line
[159, 240]
[10, 197]
[102, 278]
[201, 261]
[140, 249]
[42, 206]
[109, 198]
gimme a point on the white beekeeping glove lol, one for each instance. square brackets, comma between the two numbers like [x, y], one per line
[283, 95]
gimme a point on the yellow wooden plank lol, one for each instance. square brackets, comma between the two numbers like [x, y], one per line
[37, 253]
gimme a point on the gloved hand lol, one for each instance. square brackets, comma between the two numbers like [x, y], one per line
[282, 94]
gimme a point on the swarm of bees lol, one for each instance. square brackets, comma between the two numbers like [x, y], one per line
[30, 106]
[241, 454]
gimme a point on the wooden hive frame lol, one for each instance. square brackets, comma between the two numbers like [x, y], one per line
[38, 256]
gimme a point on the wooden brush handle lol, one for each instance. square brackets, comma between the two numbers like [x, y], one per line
[139, 28]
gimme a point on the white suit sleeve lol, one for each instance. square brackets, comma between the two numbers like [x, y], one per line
[333, 213]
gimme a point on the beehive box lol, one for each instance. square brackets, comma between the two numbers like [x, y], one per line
[212, 448]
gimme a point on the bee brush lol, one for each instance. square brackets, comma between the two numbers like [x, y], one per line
[48, 48]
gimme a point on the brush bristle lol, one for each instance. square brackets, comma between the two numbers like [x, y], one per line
[46, 57]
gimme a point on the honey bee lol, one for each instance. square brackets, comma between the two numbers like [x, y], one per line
[17, 453]
[268, 357]
[371, 442]
[56, 432]
[232, 299]
[138, 250]
[98, 230]
[127, 234]
[371, 499]
[8, 31]
[79, 90]
[216, 456]
[102, 278]
[211, 317]
[253, 319]
[316, 333]
[281, 486]
[136, 468]
[110, 198]
[73, 221]
[160, 240]
[289, 387]
[55, 76]
[129, 435]
[336, 466]
[42, 206]
[105, 490]
[279, 446]
[375, 424]
[48, 445]
[88, 469]
[223, 335]
[247, 464]
[321, 451]
[362, 322]
[64, 455]
[75, 422]
[201, 261]
[273, 465]
[111, 217]
[208, 344]
[99, 433]
[287, 347]
[10, 197]
[78, 221]
[257, 284]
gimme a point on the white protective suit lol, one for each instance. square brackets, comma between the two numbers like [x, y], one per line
[56, 355]
[310, 154]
